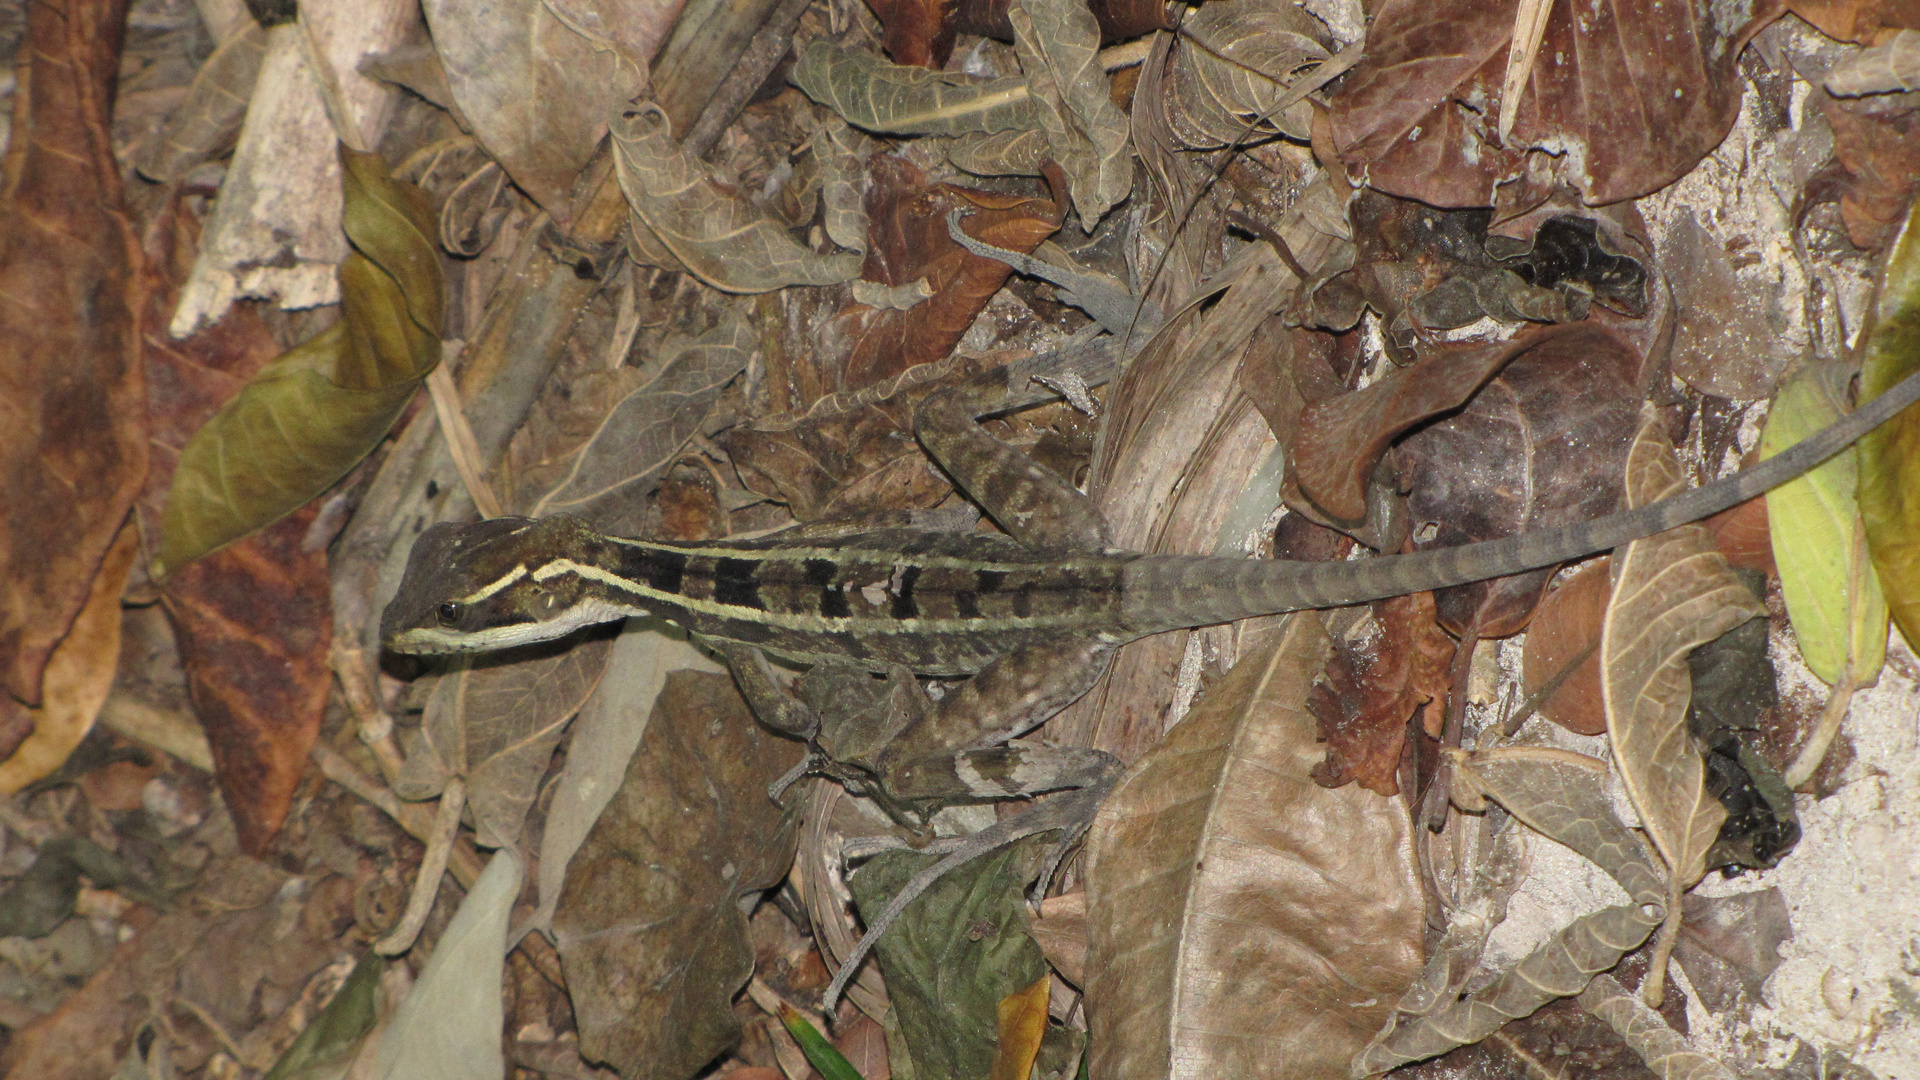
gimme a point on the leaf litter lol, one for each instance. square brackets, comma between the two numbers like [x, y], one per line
[692, 268]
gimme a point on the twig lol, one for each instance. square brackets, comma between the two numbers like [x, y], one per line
[446, 823]
[415, 818]
[1814, 751]
[376, 727]
[460, 440]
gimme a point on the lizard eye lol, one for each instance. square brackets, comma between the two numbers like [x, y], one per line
[450, 612]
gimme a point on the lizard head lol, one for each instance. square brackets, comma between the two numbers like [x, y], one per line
[490, 585]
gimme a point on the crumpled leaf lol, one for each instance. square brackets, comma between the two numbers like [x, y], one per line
[312, 414]
[536, 79]
[78, 675]
[1238, 61]
[1566, 631]
[654, 942]
[1876, 149]
[448, 1027]
[870, 93]
[73, 438]
[209, 120]
[1632, 98]
[952, 955]
[611, 725]
[684, 219]
[495, 722]
[1225, 888]
[1541, 445]
[1058, 43]
[1890, 453]
[1404, 671]
[1555, 794]
[1671, 592]
[641, 435]
[1892, 65]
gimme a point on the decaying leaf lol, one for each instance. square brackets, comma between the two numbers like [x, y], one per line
[1058, 42]
[642, 434]
[1876, 148]
[73, 439]
[1002, 153]
[1890, 454]
[1560, 795]
[1724, 343]
[1399, 677]
[953, 955]
[1671, 592]
[1237, 61]
[843, 154]
[1565, 632]
[1023, 1022]
[1731, 944]
[216, 104]
[1670, 1056]
[312, 414]
[78, 674]
[919, 32]
[870, 93]
[649, 928]
[1225, 888]
[684, 219]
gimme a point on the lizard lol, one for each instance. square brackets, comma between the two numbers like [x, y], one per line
[1032, 614]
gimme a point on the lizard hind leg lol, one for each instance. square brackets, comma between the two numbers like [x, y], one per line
[1032, 503]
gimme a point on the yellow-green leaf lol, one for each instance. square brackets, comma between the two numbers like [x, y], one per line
[1890, 454]
[1815, 522]
[315, 411]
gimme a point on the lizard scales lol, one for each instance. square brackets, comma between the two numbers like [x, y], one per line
[950, 603]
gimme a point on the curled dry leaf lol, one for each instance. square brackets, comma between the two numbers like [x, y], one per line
[1399, 677]
[312, 414]
[649, 925]
[1236, 62]
[684, 219]
[1671, 592]
[1833, 598]
[1890, 454]
[1225, 888]
[1642, 93]
[495, 723]
[73, 438]
[1560, 795]
[1058, 43]
[870, 93]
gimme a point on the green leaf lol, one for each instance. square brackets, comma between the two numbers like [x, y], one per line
[1890, 454]
[326, 1045]
[826, 1061]
[952, 955]
[1815, 524]
[312, 414]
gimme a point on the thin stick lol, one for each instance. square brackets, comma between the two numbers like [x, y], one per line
[446, 823]
[460, 439]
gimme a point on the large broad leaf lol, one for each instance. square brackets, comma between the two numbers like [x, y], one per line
[311, 415]
[684, 219]
[1833, 596]
[870, 93]
[1671, 592]
[649, 924]
[73, 438]
[1225, 889]
[1890, 454]
[1059, 43]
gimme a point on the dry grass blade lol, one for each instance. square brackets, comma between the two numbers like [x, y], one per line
[1226, 888]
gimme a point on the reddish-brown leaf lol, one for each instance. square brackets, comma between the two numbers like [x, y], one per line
[1857, 20]
[1541, 445]
[1642, 89]
[919, 32]
[907, 241]
[73, 440]
[1363, 706]
[1566, 631]
[1876, 142]
[253, 620]
[1741, 533]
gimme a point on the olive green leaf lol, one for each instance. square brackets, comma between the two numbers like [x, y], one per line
[314, 412]
[1890, 454]
[684, 219]
[870, 93]
[1815, 525]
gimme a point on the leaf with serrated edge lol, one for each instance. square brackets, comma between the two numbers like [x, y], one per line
[870, 93]
[1890, 453]
[1058, 43]
[1671, 592]
[1814, 522]
[707, 229]
[1225, 888]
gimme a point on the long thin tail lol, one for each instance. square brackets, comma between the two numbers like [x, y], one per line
[1165, 592]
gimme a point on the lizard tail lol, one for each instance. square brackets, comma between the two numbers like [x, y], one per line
[1175, 591]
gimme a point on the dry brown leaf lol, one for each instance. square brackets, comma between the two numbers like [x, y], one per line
[1023, 1020]
[1238, 60]
[1404, 672]
[1058, 43]
[216, 104]
[1566, 631]
[1225, 888]
[1671, 592]
[78, 674]
[870, 93]
[73, 439]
